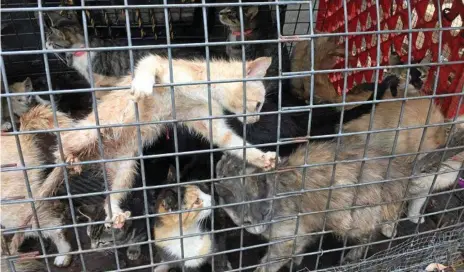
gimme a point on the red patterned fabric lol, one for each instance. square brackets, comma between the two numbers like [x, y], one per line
[394, 15]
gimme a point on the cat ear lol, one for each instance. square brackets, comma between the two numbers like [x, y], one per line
[223, 190]
[57, 32]
[27, 85]
[258, 67]
[251, 12]
[171, 174]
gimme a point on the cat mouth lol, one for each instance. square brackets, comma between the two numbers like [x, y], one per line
[256, 229]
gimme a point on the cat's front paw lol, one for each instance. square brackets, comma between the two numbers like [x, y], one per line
[133, 252]
[118, 219]
[142, 85]
[270, 159]
[62, 260]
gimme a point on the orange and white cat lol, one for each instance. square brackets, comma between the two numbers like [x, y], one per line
[191, 101]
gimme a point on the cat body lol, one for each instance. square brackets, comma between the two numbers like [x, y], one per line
[168, 226]
[19, 104]
[191, 101]
[257, 26]
[50, 213]
[381, 202]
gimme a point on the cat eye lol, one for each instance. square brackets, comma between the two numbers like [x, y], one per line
[198, 201]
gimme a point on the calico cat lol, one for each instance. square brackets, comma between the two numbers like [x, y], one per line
[257, 25]
[50, 213]
[107, 66]
[191, 101]
[20, 104]
[168, 226]
[101, 237]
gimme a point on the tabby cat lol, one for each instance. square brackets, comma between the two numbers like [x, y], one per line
[257, 25]
[191, 102]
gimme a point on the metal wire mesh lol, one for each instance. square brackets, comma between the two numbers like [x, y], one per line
[180, 25]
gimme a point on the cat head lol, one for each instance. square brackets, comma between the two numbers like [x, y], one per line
[255, 90]
[230, 17]
[191, 197]
[100, 236]
[63, 32]
[233, 191]
[21, 103]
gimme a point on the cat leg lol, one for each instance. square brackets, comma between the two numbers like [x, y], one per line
[225, 137]
[278, 251]
[124, 174]
[6, 126]
[162, 268]
[421, 187]
[357, 253]
[63, 247]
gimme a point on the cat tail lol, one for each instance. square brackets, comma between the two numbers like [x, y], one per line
[25, 266]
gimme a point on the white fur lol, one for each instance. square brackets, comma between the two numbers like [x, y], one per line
[420, 188]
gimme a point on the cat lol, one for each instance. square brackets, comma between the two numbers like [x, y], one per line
[107, 66]
[381, 201]
[191, 101]
[168, 226]
[100, 237]
[50, 213]
[19, 104]
[257, 25]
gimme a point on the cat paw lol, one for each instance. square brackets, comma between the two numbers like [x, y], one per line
[118, 220]
[133, 252]
[63, 260]
[388, 230]
[142, 85]
[72, 160]
[6, 126]
[270, 159]
[417, 220]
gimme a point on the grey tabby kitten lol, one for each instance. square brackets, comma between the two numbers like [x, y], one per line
[257, 25]
[101, 237]
[357, 224]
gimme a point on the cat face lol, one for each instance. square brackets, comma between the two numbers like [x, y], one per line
[191, 198]
[234, 191]
[231, 16]
[21, 103]
[101, 237]
[255, 90]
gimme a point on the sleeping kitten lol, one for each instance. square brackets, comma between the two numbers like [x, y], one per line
[168, 226]
[50, 213]
[257, 25]
[101, 237]
[191, 102]
[20, 104]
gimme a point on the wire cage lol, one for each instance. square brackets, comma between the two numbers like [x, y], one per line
[99, 176]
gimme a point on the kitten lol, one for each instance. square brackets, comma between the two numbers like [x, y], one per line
[381, 201]
[168, 226]
[191, 102]
[257, 25]
[101, 237]
[50, 213]
[20, 104]
[107, 66]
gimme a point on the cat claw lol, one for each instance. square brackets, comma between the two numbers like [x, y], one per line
[72, 160]
[142, 85]
[118, 220]
[133, 253]
[270, 159]
[62, 260]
